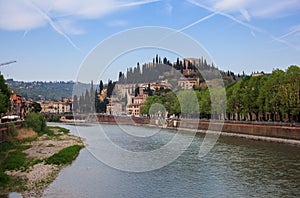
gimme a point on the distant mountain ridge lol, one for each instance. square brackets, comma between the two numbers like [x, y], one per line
[47, 91]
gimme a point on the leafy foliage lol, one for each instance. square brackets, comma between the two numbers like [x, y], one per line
[4, 96]
[53, 118]
[37, 122]
[274, 96]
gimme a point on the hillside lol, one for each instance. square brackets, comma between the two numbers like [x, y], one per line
[39, 90]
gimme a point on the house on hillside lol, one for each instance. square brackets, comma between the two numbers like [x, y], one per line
[188, 83]
[56, 107]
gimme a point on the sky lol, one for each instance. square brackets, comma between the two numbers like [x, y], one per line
[50, 39]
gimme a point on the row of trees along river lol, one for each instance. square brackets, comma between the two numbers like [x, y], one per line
[274, 97]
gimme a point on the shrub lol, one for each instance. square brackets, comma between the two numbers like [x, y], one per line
[36, 121]
[12, 130]
[65, 156]
[12, 133]
[53, 118]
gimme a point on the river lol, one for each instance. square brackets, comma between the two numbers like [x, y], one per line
[233, 168]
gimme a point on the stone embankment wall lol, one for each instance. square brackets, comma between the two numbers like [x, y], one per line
[285, 132]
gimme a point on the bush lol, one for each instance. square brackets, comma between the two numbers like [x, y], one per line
[12, 133]
[53, 118]
[12, 130]
[65, 156]
[37, 122]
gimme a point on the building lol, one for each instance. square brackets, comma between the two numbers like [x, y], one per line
[188, 83]
[134, 104]
[18, 106]
[56, 107]
[114, 107]
[15, 104]
[257, 74]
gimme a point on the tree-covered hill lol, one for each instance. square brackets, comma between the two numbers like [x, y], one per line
[39, 90]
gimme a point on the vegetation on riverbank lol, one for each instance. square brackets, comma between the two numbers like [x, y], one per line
[32, 163]
[65, 156]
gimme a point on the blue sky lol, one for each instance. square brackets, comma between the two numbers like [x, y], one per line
[49, 39]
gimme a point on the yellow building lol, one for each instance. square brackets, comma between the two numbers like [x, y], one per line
[56, 107]
[188, 83]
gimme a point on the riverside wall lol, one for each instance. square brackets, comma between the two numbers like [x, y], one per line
[274, 131]
[256, 129]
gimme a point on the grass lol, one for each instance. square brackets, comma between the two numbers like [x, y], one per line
[4, 179]
[60, 129]
[65, 156]
[6, 146]
[14, 161]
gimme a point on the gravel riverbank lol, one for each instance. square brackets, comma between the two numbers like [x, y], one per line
[39, 175]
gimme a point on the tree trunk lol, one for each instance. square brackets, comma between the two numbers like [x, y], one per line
[250, 116]
[280, 116]
[257, 118]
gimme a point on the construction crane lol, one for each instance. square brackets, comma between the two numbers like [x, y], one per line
[7, 63]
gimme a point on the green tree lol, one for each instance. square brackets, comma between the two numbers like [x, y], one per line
[4, 96]
[151, 100]
[205, 104]
[36, 121]
[274, 89]
[292, 93]
[189, 103]
[171, 103]
[36, 107]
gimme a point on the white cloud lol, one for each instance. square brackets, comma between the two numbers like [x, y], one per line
[254, 8]
[22, 14]
[18, 15]
[29, 14]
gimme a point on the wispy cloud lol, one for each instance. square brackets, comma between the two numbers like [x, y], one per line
[197, 22]
[254, 8]
[229, 5]
[219, 12]
[30, 14]
[293, 31]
